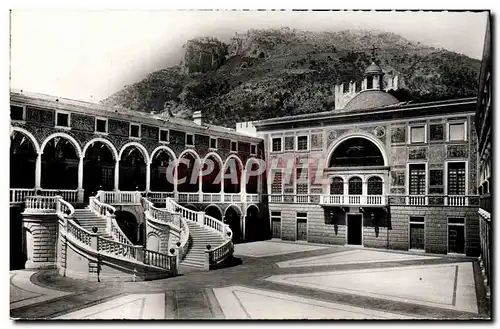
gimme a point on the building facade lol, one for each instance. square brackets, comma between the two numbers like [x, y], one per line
[73, 148]
[485, 154]
[376, 172]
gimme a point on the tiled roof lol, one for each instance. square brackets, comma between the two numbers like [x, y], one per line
[368, 99]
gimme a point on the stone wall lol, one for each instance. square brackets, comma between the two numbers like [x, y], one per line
[41, 233]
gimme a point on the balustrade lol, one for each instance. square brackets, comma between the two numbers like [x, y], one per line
[41, 204]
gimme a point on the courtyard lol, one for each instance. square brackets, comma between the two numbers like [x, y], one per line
[271, 280]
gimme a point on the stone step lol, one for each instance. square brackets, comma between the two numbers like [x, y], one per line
[192, 264]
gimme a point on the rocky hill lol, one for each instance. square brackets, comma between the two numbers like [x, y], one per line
[276, 72]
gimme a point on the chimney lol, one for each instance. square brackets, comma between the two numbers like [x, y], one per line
[197, 117]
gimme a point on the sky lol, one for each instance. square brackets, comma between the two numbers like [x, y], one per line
[88, 55]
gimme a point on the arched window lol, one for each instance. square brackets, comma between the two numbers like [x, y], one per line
[337, 186]
[375, 186]
[355, 152]
[355, 186]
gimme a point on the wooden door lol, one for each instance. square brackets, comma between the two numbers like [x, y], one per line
[302, 229]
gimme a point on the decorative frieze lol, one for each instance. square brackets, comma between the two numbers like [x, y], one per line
[397, 178]
[398, 155]
[289, 143]
[149, 132]
[436, 132]
[436, 200]
[398, 190]
[417, 153]
[398, 134]
[457, 151]
[40, 116]
[437, 153]
[116, 127]
[82, 122]
[316, 141]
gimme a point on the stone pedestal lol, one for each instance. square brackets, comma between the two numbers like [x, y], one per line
[40, 232]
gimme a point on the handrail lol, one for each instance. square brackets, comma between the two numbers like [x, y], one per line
[219, 253]
[159, 214]
[64, 208]
[158, 259]
[107, 211]
[41, 204]
[218, 225]
[118, 248]
[81, 234]
[100, 208]
[172, 206]
[183, 248]
[120, 197]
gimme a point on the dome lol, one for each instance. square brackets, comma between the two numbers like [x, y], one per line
[373, 69]
[368, 99]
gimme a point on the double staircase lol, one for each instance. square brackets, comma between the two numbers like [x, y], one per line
[88, 220]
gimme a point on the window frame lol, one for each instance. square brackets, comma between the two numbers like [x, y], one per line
[23, 118]
[159, 136]
[139, 131]
[410, 141]
[297, 143]
[186, 140]
[253, 145]
[446, 174]
[68, 127]
[210, 145]
[271, 179]
[456, 122]
[107, 125]
[231, 146]
[448, 224]
[272, 144]
[408, 178]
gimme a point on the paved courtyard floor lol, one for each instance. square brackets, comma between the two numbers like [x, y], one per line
[271, 280]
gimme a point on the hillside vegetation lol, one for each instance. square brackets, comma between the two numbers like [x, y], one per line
[276, 72]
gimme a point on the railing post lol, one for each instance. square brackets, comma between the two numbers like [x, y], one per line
[38, 170]
[139, 253]
[201, 218]
[137, 197]
[93, 241]
[206, 264]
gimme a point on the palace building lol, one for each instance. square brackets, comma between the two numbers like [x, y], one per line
[376, 172]
[108, 193]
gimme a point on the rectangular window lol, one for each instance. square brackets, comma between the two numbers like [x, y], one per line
[234, 146]
[369, 82]
[253, 149]
[135, 130]
[16, 112]
[163, 135]
[62, 119]
[101, 125]
[302, 186]
[456, 178]
[189, 140]
[276, 144]
[417, 233]
[417, 179]
[456, 131]
[417, 134]
[302, 143]
[213, 143]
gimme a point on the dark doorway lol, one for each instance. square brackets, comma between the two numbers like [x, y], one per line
[301, 226]
[233, 218]
[276, 224]
[162, 179]
[98, 169]
[132, 170]
[22, 161]
[354, 229]
[456, 237]
[252, 224]
[17, 249]
[214, 212]
[60, 165]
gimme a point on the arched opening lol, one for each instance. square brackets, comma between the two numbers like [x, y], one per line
[375, 186]
[22, 161]
[128, 224]
[232, 217]
[355, 186]
[252, 220]
[191, 207]
[188, 173]
[132, 170]
[161, 168]
[60, 161]
[337, 186]
[211, 180]
[355, 152]
[98, 169]
[252, 180]
[214, 212]
[232, 175]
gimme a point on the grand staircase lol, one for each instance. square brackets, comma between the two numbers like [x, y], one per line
[88, 220]
[200, 237]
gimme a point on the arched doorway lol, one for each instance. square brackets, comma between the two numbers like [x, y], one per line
[132, 170]
[211, 179]
[188, 173]
[252, 220]
[22, 161]
[214, 211]
[98, 169]
[232, 175]
[232, 217]
[161, 168]
[252, 180]
[128, 224]
[60, 161]
[356, 151]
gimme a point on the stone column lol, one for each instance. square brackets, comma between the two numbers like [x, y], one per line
[148, 177]
[117, 172]
[38, 171]
[80, 180]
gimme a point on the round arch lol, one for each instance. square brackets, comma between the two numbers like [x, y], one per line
[216, 156]
[192, 152]
[66, 136]
[104, 141]
[252, 205]
[374, 175]
[29, 135]
[139, 146]
[167, 149]
[191, 206]
[233, 216]
[232, 156]
[214, 206]
[238, 209]
[367, 136]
